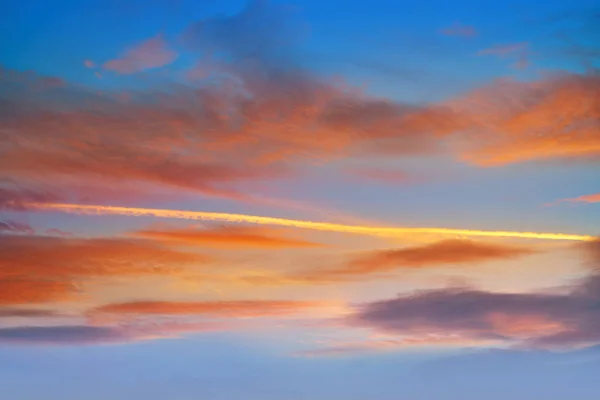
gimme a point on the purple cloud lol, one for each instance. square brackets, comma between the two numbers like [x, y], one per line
[539, 320]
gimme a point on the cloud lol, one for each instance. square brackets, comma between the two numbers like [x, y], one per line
[75, 335]
[460, 30]
[590, 198]
[259, 114]
[443, 253]
[54, 257]
[15, 227]
[319, 226]
[225, 309]
[520, 51]
[17, 198]
[371, 345]
[533, 320]
[511, 122]
[39, 269]
[202, 140]
[71, 335]
[227, 236]
[26, 313]
[264, 32]
[57, 232]
[31, 290]
[151, 53]
[87, 148]
[504, 50]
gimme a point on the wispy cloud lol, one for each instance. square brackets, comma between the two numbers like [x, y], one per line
[149, 54]
[518, 51]
[589, 198]
[15, 227]
[514, 122]
[439, 254]
[266, 115]
[319, 226]
[374, 345]
[504, 50]
[74, 335]
[225, 309]
[38, 269]
[27, 313]
[31, 290]
[227, 236]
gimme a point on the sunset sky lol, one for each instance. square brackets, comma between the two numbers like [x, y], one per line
[303, 200]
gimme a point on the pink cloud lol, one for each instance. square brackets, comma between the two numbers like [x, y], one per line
[152, 53]
[590, 198]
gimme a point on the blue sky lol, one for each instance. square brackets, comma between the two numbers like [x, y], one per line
[407, 148]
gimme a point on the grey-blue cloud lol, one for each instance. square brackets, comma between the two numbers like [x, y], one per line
[537, 320]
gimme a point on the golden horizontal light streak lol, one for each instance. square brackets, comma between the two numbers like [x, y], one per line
[320, 226]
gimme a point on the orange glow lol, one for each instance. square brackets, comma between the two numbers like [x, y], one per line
[590, 198]
[236, 237]
[250, 308]
[522, 326]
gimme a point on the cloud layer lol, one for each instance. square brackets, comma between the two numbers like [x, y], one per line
[434, 255]
[227, 236]
[534, 320]
[259, 112]
[39, 269]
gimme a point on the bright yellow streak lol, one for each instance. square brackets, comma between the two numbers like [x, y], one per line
[320, 226]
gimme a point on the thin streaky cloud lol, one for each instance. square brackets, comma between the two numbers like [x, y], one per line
[240, 308]
[320, 226]
[589, 198]
[230, 237]
[431, 255]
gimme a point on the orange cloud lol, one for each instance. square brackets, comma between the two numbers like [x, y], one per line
[15, 291]
[152, 53]
[513, 122]
[258, 124]
[590, 198]
[236, 237]
[37, 269]
[249, 308]
[437, 254]
[53, 257]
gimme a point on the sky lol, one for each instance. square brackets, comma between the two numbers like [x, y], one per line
[299, 200]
